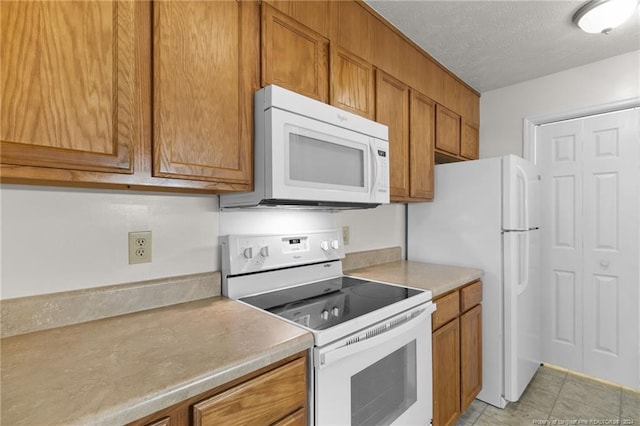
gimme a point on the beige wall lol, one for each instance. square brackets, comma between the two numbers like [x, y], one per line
[502, 110]
[60, 239]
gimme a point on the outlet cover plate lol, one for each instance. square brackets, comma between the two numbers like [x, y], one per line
[345, 235]
[139, 247]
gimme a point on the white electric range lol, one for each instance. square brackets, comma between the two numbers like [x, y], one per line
[371, 363]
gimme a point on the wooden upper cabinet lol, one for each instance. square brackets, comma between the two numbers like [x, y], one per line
[421, 145]
[392, 109]
[390, 47]
[311, 13]
[67, 85]
[353, 28]
[469, 140]
[447, 130]
[352, 83]
[205, 73]
[293, 55]
[470, 108]
[453, 89]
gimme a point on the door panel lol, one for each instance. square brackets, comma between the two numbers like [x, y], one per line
[392, 109]
[68, 85]
[195, 137]
[294, 56]
[352, 83]
[590, 224]
[422, 134]
[611, 175]
[559, 161]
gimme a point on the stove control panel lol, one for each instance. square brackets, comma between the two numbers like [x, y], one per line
[252, 253]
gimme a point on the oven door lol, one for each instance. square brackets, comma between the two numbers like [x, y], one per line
[379, 376]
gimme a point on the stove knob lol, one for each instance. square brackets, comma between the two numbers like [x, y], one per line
[248, 253]
[264, 251]
[335, 311]
[324, 245]
[335, 244]
[324, 315]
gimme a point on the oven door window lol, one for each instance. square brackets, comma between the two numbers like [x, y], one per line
[386, 389]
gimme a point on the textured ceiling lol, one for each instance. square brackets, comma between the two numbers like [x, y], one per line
[492, 44]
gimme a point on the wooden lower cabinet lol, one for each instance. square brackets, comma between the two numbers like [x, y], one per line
[457, 352]
[276, 395]
[471, 355]
[262, 400]
[446, 373]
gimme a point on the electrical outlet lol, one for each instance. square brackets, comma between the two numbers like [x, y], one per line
[139, 247]
[345, 235]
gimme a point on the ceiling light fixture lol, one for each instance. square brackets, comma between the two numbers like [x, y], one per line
[601, 16]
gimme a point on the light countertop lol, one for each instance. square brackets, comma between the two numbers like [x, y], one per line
[119, 369]
[428, 276]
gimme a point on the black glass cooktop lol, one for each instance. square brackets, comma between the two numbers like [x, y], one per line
[323, 304]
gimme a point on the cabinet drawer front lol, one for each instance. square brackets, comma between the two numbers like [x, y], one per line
[263, 400]
[447, 309]
[470, 296]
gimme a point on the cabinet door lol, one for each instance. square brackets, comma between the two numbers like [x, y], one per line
[453, 93]
[471, 355]
[294, 56]
[205, 73]
[421, 144]
[392, 109]
[67, 85]
[275, 395]
[311, 13]
[446, 373]
[352, 83]
[447, 130]
[469, 140]
[353, 28]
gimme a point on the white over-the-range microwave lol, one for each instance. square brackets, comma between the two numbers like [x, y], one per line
[312, 155]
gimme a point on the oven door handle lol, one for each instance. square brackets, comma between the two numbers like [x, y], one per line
[324, 359]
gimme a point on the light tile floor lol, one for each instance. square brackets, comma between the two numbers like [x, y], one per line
[560, 397]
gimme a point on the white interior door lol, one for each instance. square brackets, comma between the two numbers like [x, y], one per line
[611, 163]
[559, 158]
[590, 239]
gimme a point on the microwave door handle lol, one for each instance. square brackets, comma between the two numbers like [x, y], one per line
[374, 171]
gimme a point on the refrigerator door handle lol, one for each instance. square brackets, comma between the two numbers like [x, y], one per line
[523, 261]
[523, 192]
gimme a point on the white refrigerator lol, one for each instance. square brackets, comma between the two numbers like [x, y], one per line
[486, 215]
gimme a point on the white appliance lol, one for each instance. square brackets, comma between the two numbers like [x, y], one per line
[486, 215]
[311, 154]
[371, 363]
